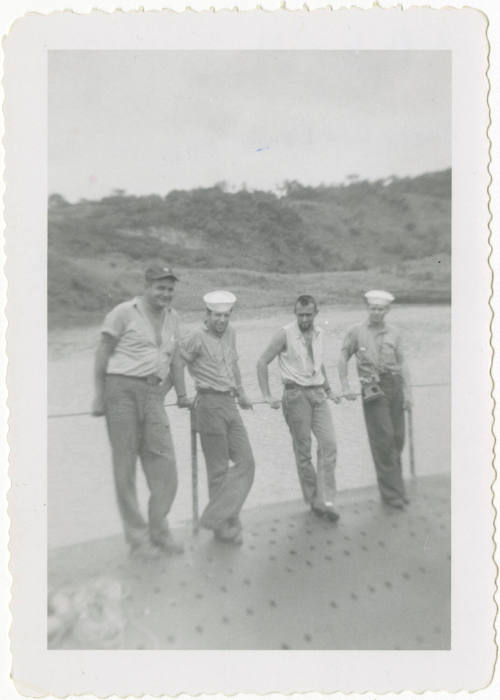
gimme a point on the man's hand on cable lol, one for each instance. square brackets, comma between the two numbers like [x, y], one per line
[98, 406]
[349, 394]
[330, 394]
[184, 401]
[272, 401]
[407, 402]
[243, 401]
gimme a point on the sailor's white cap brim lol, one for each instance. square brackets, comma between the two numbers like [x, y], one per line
[379, 296]
[220, 300]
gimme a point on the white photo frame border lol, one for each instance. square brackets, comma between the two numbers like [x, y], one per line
[37, 670]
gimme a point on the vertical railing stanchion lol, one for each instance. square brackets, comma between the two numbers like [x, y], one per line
[411, 445]
[194, 471]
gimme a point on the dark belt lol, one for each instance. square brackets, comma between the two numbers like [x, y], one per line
[229, 392]
[151, 379]
[293, 385]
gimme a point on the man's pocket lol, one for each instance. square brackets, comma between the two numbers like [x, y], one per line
[209, 417]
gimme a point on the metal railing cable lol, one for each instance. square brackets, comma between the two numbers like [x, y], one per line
[254, 403]
[194, 442]
[89, 413]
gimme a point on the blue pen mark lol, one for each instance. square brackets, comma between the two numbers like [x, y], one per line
[264, 148]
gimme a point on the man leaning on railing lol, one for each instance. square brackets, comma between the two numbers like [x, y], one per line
[212, 360]
[137, 354]
[299, 349]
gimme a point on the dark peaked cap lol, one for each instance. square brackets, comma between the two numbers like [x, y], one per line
[159, 272]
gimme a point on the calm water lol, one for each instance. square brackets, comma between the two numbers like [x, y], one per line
[81, 502]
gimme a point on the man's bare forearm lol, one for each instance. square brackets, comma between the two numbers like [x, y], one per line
[343, 374]
[327, 383]
[275, 347]
[263, 378]
[177, 378]
[103, 353]
[237, 377]
[167, 383]
[405, 373]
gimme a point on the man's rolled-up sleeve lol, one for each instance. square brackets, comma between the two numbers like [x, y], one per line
[350, 344]
[114, 323]
[189, 347]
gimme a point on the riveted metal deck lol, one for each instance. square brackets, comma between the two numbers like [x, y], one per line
[377, 579]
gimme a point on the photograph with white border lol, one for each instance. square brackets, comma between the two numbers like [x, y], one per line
[208, 216]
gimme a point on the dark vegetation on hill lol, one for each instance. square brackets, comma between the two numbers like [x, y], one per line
[356, 227]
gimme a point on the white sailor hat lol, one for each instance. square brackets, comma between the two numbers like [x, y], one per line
[220, 301]
[378, 296]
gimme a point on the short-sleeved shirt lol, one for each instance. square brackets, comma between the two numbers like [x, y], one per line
[377, 349]
[137, 352]
[210, 358]
[295, 363]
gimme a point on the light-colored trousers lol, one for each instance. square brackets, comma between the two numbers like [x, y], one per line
[307, 413]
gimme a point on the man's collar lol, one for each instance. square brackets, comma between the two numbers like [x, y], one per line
[140, 304]
[315, 329]
[214, 335]
[378, 329]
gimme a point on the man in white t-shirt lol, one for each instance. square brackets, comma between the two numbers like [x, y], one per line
[299, 349]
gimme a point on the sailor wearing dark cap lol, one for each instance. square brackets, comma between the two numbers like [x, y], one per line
[385, 391]
[211, 356]
[137, 361]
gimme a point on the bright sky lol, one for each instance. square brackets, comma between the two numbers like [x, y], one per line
[152, 121]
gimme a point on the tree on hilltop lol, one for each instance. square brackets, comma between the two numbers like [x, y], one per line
[57, 200]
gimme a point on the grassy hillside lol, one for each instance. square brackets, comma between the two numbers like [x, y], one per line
[394, 234]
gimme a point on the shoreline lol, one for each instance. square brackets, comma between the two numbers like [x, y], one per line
[93, 320]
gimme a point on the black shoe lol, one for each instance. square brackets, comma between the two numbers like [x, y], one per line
[324, 511]
[168, 545]
[145, 551]
[396, 503]
[222, 536]
[229, 533]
